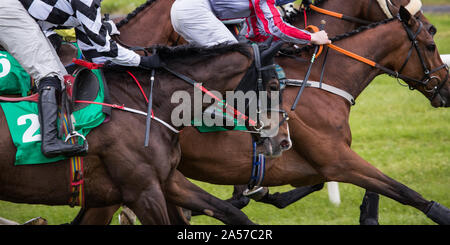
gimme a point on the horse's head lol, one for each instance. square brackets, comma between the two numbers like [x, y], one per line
[269, 129]
[422, 68]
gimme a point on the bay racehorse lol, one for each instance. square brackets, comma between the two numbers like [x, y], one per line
[118, 168]
[321, 150]
[362, 10]
[340, 18]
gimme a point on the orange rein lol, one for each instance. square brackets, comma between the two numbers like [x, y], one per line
[312, 28]
[352, 55]
[326, 12]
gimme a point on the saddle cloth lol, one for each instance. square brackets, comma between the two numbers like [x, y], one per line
[23, 120]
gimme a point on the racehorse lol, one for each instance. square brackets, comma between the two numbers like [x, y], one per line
[302, 170]
[118, 168]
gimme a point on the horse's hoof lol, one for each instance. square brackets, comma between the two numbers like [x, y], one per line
[439, 213]
[127, 217]
[36, 221]
[257, 193]
[369, 221]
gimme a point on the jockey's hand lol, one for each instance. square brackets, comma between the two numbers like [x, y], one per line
[320, 38]
[56, 41]
[150, 62]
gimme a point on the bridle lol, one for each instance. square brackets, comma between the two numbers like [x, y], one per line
[258, 125]
[413, 83]
[259, 87]
[427, 77]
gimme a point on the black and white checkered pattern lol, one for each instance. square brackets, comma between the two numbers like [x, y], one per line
[92, 35]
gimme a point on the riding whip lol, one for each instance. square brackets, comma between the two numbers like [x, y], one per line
[305, 81]
[149, 108]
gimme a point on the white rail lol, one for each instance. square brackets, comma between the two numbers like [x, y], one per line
[446, 59]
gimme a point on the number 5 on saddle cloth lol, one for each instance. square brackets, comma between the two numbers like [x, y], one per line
[22, 116]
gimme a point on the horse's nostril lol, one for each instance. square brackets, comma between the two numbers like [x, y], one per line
[285, 144]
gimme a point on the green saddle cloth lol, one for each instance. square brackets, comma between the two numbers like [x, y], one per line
[23, 120]
[13, 78]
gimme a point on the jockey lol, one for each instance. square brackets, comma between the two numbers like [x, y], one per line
[22, 23]
[199, 22]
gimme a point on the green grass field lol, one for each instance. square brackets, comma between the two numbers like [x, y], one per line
[393, 128]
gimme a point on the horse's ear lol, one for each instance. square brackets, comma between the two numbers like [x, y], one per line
[268, 54]
[405, 15]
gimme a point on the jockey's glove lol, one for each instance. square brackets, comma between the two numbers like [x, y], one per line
[56, 41]
[150, 62]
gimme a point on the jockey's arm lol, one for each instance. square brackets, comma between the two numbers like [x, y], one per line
[270, 18]
[96, 44]
[273, 23]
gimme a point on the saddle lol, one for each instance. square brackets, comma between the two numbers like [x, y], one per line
[84, 85]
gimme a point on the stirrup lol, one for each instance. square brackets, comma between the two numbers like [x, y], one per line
[76, 134]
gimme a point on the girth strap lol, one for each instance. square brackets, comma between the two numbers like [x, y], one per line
[323, 86]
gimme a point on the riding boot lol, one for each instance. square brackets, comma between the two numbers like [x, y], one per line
[48, 115]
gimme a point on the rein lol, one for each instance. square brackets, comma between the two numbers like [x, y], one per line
[122, 107]
[308, 5]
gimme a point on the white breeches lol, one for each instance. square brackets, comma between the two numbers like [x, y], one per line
[22, 37]
[195, 21]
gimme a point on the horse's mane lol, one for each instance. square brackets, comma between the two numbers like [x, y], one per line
[361, 29]
[134, 13]
[343, 36]
[195, 52]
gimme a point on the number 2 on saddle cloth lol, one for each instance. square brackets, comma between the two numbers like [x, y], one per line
[22, 115]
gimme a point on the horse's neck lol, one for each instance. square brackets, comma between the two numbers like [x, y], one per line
[217, 74]
[363, 9]
[150, 26]
[379, 44]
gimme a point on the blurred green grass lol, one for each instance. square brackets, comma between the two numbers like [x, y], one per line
[393, 128]
[126, 6]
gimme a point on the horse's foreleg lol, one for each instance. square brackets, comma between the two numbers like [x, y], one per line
[183, 193]
[369, 209]
[282, 200]
[150, 206]
[353, 169]
[238, 199]
[95, 216]
[279, 200]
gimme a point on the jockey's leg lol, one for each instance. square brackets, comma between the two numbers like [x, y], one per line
[195, 21]
[22, 37]
[49, 89]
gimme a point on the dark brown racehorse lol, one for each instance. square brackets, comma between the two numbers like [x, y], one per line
[118, 168]
[302, 170]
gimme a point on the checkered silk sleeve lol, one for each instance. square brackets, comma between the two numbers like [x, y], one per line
[92, 35]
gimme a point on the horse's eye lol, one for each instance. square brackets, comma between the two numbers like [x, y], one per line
[432, 30]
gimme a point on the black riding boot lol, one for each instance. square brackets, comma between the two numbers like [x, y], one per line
[48, 115]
